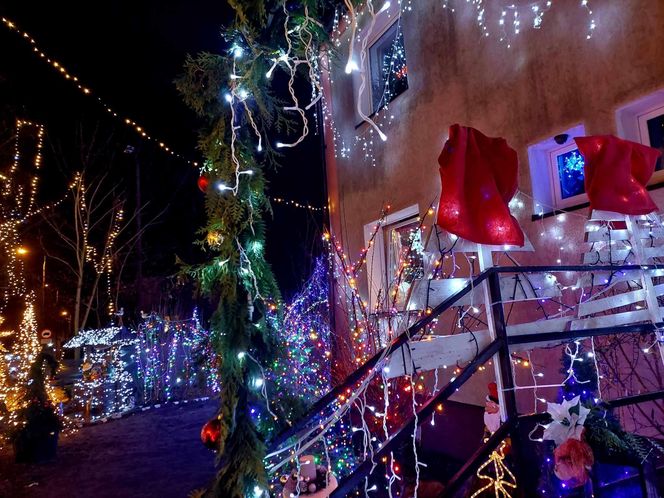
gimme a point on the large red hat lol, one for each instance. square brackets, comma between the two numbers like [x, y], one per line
[617, 172]
[479, 177]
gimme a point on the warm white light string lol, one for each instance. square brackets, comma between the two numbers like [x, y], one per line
[415, 428]
[139, 129]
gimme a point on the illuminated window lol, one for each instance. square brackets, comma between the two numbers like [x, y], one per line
[394, 260]
[557, 172]
[387, 63]
[567, 166]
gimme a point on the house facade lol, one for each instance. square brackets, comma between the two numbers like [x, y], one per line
[537, 74]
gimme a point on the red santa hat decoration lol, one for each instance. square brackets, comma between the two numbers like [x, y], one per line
[479, 178]
[616, 174]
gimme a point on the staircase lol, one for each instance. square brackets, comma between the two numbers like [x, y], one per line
[447, 435]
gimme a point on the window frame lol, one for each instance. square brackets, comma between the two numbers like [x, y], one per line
[559, 202]
[384, 20]
[542, 159]
[377, 255]
[369, 62]
[632, 122]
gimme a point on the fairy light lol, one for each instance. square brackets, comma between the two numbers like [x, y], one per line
[60, 69]
[518, 17]
[174, 357]
[296, 204]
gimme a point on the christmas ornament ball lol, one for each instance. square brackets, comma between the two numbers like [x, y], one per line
[210, 434]
[203, 182]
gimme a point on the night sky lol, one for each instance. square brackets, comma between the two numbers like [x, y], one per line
[129, 53]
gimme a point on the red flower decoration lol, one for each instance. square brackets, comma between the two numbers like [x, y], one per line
[617, 172]
[573, 459]
[479, 177]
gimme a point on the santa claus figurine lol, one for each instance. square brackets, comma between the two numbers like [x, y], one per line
[491, 409]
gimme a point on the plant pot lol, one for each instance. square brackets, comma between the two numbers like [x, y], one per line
[35, 449]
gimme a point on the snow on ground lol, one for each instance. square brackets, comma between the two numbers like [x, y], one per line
[156, 453]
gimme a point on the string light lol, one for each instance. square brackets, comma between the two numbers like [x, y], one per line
[60, 69]
[292, 203]
[518, 17]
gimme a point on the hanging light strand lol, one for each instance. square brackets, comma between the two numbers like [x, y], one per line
[140, 130]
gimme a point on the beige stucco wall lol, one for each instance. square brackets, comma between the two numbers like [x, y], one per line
[549, 80]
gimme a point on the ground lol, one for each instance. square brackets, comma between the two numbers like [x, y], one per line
[156, 453]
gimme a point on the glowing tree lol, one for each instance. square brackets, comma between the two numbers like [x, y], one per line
[26, 347]
[304, 370]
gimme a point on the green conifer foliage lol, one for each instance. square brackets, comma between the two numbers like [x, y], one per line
[233, 94]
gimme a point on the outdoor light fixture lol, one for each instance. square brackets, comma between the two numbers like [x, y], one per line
[561, 139]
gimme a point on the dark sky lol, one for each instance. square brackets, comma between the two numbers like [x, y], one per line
[129, 53]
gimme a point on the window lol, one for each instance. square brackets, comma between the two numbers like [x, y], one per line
[643, 121]
[567, 168]
[388, 69]
[383, 72]
[557, 172]
[403, 241]
[397, 243]
[651, 131]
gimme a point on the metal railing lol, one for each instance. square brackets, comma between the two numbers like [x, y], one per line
[500, 346]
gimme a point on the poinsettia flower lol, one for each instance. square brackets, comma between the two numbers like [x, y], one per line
[568, 419]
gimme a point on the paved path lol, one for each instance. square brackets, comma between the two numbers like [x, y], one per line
[156, 453]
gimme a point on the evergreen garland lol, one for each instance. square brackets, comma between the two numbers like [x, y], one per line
[238, 274]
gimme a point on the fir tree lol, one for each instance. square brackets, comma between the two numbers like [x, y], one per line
[233, 93]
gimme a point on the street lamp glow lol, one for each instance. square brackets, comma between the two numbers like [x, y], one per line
[22, 251]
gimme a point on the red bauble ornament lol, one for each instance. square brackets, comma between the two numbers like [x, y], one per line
[210, 434]
[203, 182]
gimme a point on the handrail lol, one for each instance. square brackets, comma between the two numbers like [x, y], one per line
[404, 337]
[348, 484]
[396, 343]
[569, 335]
[634, 399]
[573, 268]
[352, 480]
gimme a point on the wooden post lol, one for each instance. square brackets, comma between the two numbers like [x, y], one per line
[646, 281]
[486, 262]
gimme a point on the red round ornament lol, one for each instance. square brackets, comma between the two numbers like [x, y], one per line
[210, 433]
[203, 182]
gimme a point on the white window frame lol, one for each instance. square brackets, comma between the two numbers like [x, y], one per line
[384, 21]
[542, 157]
[632, 122]
[376, 253]
[559, 202]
